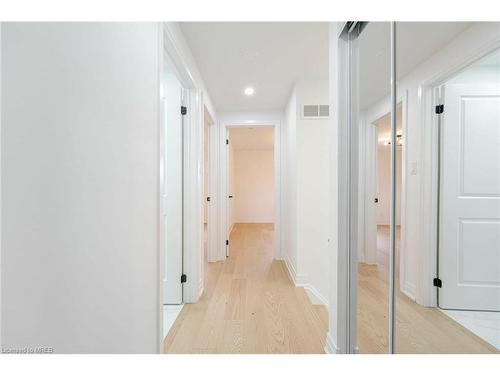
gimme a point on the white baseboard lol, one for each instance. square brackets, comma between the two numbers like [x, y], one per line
[330, 347]
[290, 268]
[409, 290]
[315, 297]
[301, 280]
[254, 222]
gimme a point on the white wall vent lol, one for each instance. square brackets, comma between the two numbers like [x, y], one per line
[315, 111]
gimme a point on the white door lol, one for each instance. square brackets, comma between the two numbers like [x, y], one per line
[173, 190]
[469, 235]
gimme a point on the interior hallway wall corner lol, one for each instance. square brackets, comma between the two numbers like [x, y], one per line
[307, 191]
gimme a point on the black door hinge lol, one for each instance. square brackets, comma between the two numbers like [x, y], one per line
[440, 109]
[208, 199]
[184, 110]
[183, 278]
[227, 141]
[227, 242]
[437, 282]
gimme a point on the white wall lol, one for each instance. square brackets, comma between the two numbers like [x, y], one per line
[308, 192]
[253, 186]
[289, 184]
[80, 111]
[313, 193]
[384, 185]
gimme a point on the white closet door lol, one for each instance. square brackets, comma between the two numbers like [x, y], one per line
[469, 248]
[173, 186]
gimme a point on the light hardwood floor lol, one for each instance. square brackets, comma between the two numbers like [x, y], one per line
[249, 305]
[418, 329]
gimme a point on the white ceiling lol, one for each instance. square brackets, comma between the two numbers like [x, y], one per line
[268, 56]
[252, 138]
[416, 42]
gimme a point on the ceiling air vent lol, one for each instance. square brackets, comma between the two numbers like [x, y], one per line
[315, 111]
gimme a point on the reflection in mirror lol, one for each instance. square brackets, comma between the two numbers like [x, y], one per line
[373, 193]
[461, 248]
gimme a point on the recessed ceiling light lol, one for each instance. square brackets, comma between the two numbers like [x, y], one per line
[249, 91]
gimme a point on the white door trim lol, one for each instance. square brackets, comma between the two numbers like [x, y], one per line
[211, 209]
[426, 292]
[193, 178]
[219, 253]
[341, 337]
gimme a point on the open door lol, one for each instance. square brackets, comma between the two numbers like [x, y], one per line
[173, 191]
[469, 240]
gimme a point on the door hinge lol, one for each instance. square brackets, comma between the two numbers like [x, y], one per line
[208, 199]
[184, 110]
[227, 242]
[437, 282]
[183, 278]
[227, 141]
[440, 109]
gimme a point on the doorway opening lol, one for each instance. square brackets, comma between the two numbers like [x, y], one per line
[251, 179]
[172, 192]
[382, 199]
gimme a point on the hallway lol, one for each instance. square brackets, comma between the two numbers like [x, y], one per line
[249, 305]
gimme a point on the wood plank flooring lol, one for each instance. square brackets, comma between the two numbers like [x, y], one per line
[418, 329]
[249, 305]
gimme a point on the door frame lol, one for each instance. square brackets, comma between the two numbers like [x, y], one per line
[430, 89]
[212, 224]
[344, 137]
[367, 237]
[193, 178]
[219, 253]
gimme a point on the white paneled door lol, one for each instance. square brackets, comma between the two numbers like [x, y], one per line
[469, 235]
[173, 190]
